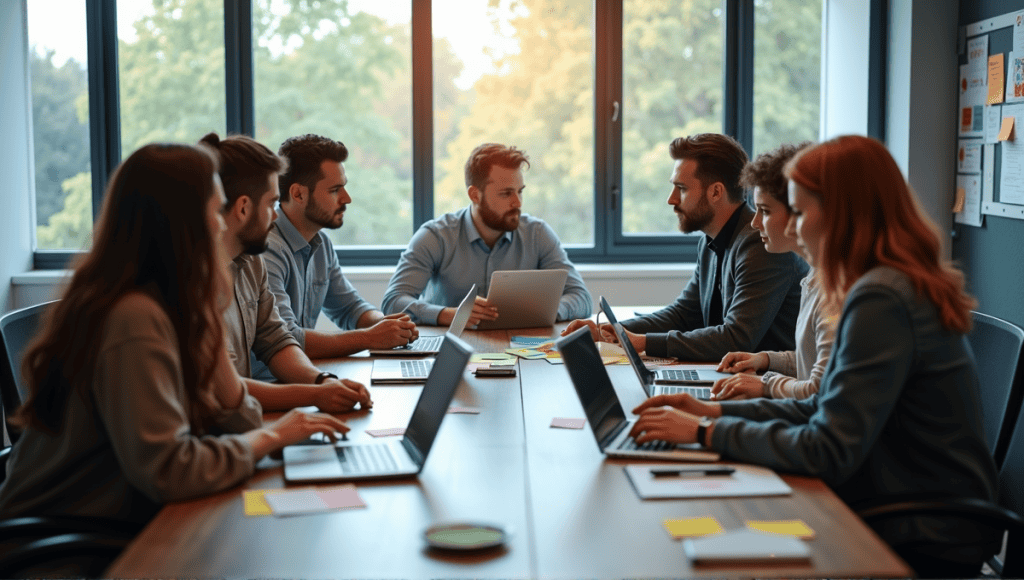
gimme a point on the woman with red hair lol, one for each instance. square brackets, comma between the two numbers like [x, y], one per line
[898, 414]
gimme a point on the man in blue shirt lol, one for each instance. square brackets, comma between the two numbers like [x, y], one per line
[302, 267]
[448, 255]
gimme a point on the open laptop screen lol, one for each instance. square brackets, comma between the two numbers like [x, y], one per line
[595, 389]
[444, 378]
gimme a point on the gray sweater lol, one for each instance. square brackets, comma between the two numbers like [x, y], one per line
[125, 447]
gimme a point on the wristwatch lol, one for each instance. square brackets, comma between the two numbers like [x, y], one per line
[702, 428]
[320, 378]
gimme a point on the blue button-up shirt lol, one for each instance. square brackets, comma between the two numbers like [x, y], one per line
[305, 278]
[447, 255]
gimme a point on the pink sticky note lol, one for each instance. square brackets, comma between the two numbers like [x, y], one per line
[464, 410]
[341, 497]
[565, 423]
[386, 432]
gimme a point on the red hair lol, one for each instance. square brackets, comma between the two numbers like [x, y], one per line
[873, 219]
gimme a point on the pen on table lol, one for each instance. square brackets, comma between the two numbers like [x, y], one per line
[706, 471]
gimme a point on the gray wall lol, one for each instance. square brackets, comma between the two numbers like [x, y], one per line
[992, 256]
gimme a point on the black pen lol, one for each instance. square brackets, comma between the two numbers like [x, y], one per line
[706, 471]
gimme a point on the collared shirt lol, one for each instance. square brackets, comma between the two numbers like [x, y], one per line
[252, 323]
[719, 245]
[447, 255]
[305, 278]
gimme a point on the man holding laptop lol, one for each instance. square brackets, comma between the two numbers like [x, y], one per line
[302, 268]
[740, 298]
[449, 254]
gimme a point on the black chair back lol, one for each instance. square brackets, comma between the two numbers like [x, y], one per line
[1011, 497]
[17, 329]
[998, 346]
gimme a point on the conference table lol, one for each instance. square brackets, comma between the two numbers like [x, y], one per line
[569, 511]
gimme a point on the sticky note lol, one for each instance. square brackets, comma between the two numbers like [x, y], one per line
[796, 528]
[565, 423]
[527, 353]
[1006, 129]
[386, 432]
[692, 527]
[958, 203]
[995, 79]
[255, 502]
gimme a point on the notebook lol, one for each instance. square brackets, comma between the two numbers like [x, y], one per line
[604, 413]
[394, 458]
[524, 298]
[688, 379]
[432, 344]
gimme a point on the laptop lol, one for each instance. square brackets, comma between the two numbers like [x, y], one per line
[604, 412]
[525, 298]
[695, 382]
[432, 343]
[392, 458]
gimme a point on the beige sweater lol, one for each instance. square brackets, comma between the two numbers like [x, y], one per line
[125, 447]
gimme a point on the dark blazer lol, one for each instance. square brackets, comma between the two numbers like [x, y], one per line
[760, 302]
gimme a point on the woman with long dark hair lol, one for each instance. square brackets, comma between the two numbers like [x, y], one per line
[132, 400]
[898, 414]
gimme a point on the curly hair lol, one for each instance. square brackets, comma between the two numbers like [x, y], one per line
[765, 172]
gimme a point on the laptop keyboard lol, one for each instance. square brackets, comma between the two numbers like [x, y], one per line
[629, 444]
[415, 368]
[695, 392]
[366, 459]
[426, 343]
[679, 375]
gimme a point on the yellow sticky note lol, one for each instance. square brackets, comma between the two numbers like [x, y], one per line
[995, 79]
[690, 527]
[958, 203]
[795, 528]
[256, 502]
[1006, 130]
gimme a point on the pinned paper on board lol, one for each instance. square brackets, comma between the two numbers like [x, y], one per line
[995, 79]
[1006, 130]
[958, 203]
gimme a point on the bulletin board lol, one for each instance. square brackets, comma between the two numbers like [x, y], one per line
[990, 145]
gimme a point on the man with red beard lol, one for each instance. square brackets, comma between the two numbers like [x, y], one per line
[249, 174]
[302, 267]
[449, 254]
[740, 298]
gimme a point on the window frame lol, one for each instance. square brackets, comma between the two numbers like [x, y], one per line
[610, 245]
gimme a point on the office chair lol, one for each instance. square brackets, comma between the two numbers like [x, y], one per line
[67, 546]
[1004, 514]
[998, 348]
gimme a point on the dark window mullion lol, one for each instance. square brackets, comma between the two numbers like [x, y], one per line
[238, 67]
[608, 111]
[104, 108]
[738, 72]
[422, 114]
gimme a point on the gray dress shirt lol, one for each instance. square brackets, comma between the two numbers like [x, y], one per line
[252, 323]
[760, 302]
[447, 255]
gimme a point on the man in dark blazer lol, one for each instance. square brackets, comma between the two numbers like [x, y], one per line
[740, 298]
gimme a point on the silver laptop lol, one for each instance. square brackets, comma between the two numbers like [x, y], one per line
[695, 382]
[347, 460]
[525, 298]
[604, 412]
[432, 343]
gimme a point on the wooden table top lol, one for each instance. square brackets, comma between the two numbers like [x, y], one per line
[570, 511]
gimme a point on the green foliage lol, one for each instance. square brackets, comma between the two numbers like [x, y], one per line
[60, 132]
[321, 67]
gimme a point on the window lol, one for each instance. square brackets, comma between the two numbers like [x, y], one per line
[594, 91]
[60, 124]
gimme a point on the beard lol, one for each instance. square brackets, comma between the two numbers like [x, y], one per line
[254, 241]
[697, 219]
[502, 223]
[316, 214]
